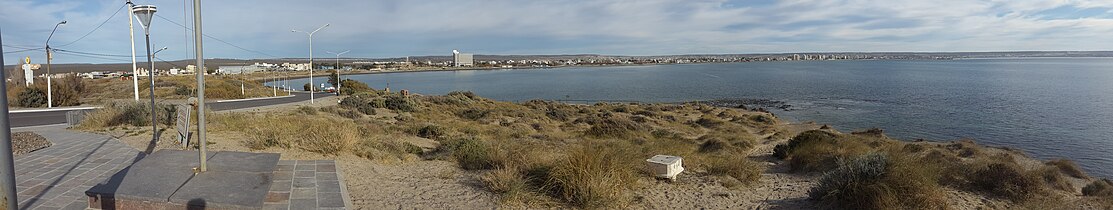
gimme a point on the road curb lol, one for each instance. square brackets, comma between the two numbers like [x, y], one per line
[52, 109]
[252, 99]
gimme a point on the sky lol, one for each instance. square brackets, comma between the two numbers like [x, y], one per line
[391, 28]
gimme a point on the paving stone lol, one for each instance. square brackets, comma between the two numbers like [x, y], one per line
[304, 174]
[330, 200]
[303, 203]
[303, 193]
[326, 168]
[305, 182]
[281, 186]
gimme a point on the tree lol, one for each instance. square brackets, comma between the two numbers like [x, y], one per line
[307, 87]
[333, 78]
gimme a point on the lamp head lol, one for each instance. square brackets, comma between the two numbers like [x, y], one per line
[145, 13]
[62, 23]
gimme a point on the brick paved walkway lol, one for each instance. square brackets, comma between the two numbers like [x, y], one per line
[56, 177]
[307, 184]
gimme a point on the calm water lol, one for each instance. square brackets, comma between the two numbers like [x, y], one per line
[1048, 107]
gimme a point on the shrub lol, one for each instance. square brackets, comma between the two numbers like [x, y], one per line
[473, 114]
[1051, 176]
[183, 90]
[877, 181]
[68, 91]
[431, 131]
[129, 113]
[307, 87]
[593, 176]
[400, 103]
[359, 104]
[1102, 187]
[709, 121]
[32, 97]
[473, 154]
[736, 166]
[613, 127]
[1005, 180]
[782, 151]
[350, 87]
[1068, 167]
[718, 142]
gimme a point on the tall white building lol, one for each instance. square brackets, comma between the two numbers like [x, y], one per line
[462, 59]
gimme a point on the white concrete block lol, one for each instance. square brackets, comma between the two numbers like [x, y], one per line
[665, 166]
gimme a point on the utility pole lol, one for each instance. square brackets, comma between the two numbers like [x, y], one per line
[49, 56]
[197, 49]
[134, 68]
[8, 198]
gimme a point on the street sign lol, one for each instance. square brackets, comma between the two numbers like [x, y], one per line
[183, 124]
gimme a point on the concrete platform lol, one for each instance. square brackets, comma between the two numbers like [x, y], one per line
[165, 180]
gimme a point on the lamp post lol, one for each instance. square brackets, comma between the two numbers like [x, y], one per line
[200, 59]
[134, 68]
[145, 13]
[49, 56]
[311, 58]
[338, 80]
[7, 164]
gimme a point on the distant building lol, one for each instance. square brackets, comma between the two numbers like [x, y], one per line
[237, 69]
[462, 59]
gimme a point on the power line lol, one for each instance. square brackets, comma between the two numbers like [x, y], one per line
[219, 40]
[89, 53]
[22, 49]
[98, 26]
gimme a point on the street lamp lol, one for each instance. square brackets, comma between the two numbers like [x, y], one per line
[144, 13]
[311, 58]
[338, 80]
[49, 56]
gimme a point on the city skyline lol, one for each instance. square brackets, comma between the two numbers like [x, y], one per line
[377, 29]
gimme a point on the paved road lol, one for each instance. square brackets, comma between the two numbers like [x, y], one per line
[58, 117]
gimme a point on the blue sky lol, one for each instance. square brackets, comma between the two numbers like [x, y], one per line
[390, 28]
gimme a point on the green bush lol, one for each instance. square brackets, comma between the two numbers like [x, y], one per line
[350, 87]
[32, 97]
[360, 104]
[473, 154]
[878, 181]
[431, 131]
[474, 114]
[400, 103]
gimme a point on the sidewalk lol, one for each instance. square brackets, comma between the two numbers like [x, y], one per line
[56, 177]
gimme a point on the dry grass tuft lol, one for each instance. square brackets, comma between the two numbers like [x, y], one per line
[742, 169]
[1068, 167]
[594, 176]
[1006, 180]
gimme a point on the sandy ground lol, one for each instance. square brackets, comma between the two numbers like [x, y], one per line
[419, 184]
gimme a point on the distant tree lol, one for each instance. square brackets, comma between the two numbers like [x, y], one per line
[307, 87]
[333, 78]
